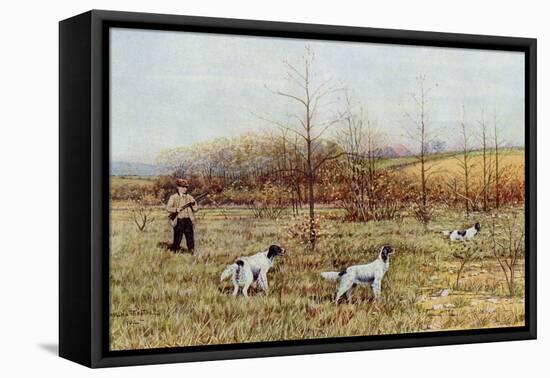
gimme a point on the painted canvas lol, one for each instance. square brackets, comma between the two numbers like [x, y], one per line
[272, 189]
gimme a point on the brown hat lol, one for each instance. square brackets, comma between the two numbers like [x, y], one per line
[182, 183]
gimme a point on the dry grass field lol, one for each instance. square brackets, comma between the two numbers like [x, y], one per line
[161, 299]
[118, 181]
[445, 166]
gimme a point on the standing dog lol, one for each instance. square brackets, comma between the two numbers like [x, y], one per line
[252, 269]
[368, 274]
[463, 234]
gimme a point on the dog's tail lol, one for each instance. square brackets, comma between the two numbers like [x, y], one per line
[446, 233]
[332, 276]
[228, 272]
[234, 268]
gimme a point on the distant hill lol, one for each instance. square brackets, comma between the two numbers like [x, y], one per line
[397, 150]
[122, 168]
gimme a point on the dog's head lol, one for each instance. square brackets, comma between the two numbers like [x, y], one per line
[385, 252]
[274, 251]
[477, 226]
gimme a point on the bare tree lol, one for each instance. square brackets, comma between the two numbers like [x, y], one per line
[360, 140]
[352, 140]
[508, 247]
[287, 164]
[497, 161]
[465, 253]
[420, 133]
[142, 212]
[486, 174]
[465, 161]
[475, 197]
[308, 125]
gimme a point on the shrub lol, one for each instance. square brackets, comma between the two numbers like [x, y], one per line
[382, 198]
[142, 211]
[423, 214]
[299, 229]
[163, 188]
[466, 252]
[508, 245]
[127, 192]
[271, 202]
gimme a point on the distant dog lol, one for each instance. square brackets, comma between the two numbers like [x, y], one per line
[252, 270]
[368, 274]
[461, 235]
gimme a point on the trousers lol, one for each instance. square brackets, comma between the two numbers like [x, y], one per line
[184, 227]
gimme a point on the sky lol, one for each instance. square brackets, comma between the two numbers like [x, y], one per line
[172, 89]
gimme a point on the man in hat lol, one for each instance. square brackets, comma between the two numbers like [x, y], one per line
[185, 217]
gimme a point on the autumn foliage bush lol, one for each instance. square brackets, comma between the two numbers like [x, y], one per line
[270, 202]
[382, 198]
[388, 194]
[126, 192]
[299, 229]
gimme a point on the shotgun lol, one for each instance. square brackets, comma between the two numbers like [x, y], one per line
[174, 215]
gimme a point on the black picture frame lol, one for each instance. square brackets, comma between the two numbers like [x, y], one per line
[83, 181]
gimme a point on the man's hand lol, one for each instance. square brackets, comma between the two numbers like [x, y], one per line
[190, 204]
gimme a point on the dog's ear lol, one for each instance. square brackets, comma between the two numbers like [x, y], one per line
[385, 252]
[477, 226]
[274, 250]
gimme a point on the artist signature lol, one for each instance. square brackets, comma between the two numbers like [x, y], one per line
[136, 312]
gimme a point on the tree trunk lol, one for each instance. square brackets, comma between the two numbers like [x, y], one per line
[311, 199]
[497, 173]
[423, 153]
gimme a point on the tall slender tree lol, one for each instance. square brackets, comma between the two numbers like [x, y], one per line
[418, 130]
[465, 161]
[497, 160]
[309, 124]
[486, 161]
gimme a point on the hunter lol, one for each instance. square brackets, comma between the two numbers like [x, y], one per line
[183, 225]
